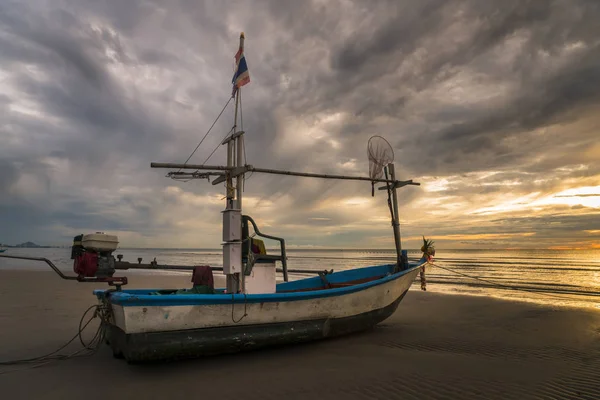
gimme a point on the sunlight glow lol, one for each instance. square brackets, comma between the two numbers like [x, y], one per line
[300, 133]
[357, 201]
[191, 198]
[515, 204]
[437, 185]
[349, 165]
[588, 196]
[480, 236]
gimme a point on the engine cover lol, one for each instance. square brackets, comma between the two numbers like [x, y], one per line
[86, 264]
[92, 264]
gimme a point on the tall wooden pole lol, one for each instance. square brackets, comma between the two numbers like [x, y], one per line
[395, 219]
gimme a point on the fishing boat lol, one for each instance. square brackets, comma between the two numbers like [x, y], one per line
[253, 309]
[2, 249]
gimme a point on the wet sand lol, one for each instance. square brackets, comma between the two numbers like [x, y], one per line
[434, 346]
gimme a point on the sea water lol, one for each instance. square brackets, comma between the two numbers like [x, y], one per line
[556, 277]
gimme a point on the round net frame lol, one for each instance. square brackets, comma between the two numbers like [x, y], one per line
[380, 154]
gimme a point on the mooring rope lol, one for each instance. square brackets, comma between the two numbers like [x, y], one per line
[489, 282]
[500, 285]
[87, 349]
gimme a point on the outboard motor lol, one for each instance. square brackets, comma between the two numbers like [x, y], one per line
[93, 255]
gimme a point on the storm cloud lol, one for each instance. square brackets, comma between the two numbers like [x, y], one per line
[491, 106]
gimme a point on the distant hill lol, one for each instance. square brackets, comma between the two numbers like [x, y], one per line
[30, 245]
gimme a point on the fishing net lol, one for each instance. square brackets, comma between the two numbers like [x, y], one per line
[380, 154]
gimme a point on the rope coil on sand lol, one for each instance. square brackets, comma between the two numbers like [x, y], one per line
[87, 349]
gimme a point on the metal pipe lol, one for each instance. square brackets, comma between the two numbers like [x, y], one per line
[191, 166]
[235, 283]
[326, 176]
[282, 172]
[231, 280]
[71, 278]
[197, 175]
[240, 178]
[238, 184]
[281, 242]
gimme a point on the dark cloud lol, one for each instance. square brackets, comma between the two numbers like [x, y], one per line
[95, 91]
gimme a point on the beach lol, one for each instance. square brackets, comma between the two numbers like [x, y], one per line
[435, 346]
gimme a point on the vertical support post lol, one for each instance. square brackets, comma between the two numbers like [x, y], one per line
[231, 283]
[284, 261]
[238, 155]
[229, 189]
[236, 281]
[240, 178]
[240, 162]
[396, 220]
[239, 184]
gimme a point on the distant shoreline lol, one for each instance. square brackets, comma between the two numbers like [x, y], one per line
[308, 249]
[29, 246]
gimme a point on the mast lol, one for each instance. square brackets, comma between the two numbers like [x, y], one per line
[239, 141]
[232, 216]
[239, 146]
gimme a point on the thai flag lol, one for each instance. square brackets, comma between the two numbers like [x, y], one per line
[241, 75]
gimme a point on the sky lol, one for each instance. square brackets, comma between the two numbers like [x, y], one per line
[493, 107]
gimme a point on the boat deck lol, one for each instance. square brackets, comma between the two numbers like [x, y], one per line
[332, 285]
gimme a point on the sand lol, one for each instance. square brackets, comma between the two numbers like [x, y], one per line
[435, 346]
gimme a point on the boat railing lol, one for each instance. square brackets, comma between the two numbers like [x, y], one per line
[267, 257]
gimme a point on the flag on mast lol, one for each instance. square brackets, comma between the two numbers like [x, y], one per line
[241, 76]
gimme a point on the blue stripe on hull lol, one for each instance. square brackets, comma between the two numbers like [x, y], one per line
[141, 297]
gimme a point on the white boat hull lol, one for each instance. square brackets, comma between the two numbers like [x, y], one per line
[146, 326]
[144, 319]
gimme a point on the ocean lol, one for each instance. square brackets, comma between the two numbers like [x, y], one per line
[553, 277]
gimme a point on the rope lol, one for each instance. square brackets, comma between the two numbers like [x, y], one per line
[205, 135]
[245, 296]
[218, 145]
[245, 309]
[88, 349]
[498, 284]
